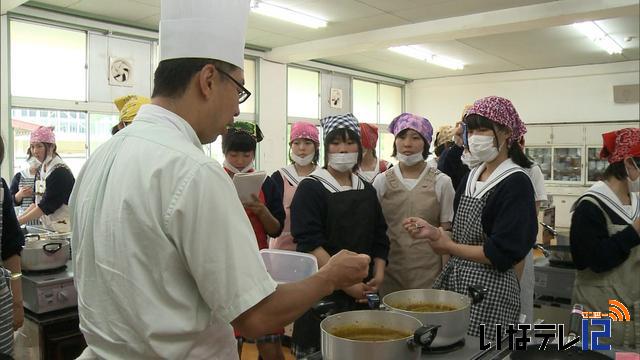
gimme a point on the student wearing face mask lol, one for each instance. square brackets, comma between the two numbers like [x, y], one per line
[53, 184]
[265, 212]
[495, 222]
[334, 209]
[23, 186]
[412, 188]
[605, 236]
[455, 161]
[370, 166]
[304, 152]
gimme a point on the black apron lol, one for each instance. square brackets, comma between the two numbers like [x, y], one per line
[350, 225]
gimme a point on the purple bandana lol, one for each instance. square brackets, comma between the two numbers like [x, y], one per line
[413, 122]
[501, 111]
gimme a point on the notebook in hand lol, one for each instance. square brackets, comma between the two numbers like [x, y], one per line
[248, 183]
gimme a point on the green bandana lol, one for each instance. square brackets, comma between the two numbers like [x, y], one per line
[247, 127]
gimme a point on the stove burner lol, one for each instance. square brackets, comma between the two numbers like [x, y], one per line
[443, 349]
[45, 272]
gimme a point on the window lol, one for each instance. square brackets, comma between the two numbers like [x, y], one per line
[51, 57]
[390, 103]
[303, 93]
[99, 129]
[378, 104]
[70, 145]
[365, 101]
[249, 106]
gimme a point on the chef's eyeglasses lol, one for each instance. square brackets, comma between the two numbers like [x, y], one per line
[243, 93]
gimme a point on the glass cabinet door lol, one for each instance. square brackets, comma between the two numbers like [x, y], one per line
[567, 164]
[542, 157]
[595, 165]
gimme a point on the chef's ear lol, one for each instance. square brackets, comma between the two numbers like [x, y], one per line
[206, 79]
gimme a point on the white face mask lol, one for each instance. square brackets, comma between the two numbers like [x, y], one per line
[343, 162]
[302, 161]
[235, 170]
[634, 185]
[470, 160]
[481, 146]
[410, 160]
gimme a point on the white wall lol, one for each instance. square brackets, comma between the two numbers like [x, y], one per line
[566, 94]
[272, 112]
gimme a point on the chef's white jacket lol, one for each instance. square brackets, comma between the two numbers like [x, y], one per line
[164, 254]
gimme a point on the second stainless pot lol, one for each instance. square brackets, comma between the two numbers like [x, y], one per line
[409, 348]
[453, 324]
[44, 254]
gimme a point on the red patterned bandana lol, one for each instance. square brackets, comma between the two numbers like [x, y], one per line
[368, 135]
[501, 111]
[620, 144]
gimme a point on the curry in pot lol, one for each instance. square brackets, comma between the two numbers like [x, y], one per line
[368, 333]
[425, 307]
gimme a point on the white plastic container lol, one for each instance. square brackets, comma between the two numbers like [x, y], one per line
[288, 266]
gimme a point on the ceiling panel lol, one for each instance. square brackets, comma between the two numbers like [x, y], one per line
[155, 3]
[476, 61]
[398, 5]
[445, 9]
[271, 40]
[121, 9]
[337, 10]
[550, 47]
[624, 31]
[149, 21]
[59, 3]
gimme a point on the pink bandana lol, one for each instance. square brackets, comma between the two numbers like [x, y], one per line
[304, 130]
[501, 111]
[43, 134]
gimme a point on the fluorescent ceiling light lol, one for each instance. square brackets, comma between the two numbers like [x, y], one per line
[598, 36]
[282, 13]
[420, 53]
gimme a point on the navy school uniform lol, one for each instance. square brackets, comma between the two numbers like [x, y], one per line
[324, 215]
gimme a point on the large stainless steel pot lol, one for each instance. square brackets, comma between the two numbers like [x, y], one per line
[337, 348]
[44, 253]
[453, 324]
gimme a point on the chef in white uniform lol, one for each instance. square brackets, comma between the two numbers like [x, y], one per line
[168, 263]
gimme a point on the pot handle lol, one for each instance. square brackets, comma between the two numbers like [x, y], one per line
[324, 308]
[37, 236]
[52, 248]
[477, 293]
[374, 301]
[423, 336]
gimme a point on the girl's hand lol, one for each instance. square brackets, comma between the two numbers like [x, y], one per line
[419, 228]
[255, 205]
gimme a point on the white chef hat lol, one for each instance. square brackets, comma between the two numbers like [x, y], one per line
[209, 29]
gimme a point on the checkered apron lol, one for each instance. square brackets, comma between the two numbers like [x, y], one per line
[27, 201]
[6, 302]
[501, 305]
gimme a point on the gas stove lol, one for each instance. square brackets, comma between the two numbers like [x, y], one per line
[49, 290]
[553, 279]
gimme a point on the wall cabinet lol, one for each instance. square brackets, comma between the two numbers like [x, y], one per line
[570, 154]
